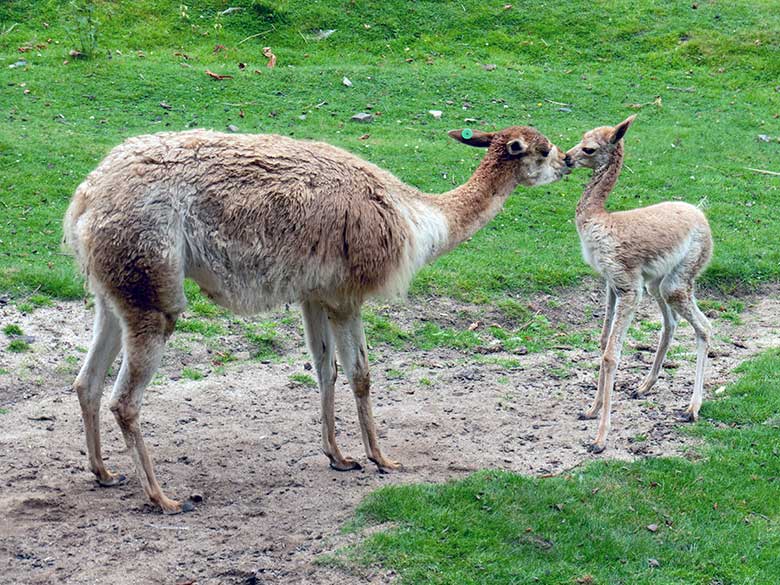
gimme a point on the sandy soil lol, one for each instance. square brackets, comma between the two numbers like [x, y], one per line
[247, 442]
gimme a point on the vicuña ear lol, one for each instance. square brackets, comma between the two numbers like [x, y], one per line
[516, 147]
[472, 137]
[621, 129]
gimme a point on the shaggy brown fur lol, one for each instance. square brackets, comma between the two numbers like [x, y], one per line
[259, 220]
[662, 247]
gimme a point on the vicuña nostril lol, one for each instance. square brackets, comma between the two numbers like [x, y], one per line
[568, 160]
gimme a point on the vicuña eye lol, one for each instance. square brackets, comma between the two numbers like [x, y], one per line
[588, 150]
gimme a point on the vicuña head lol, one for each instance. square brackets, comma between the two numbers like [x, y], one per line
[522, 150]
[597, 145]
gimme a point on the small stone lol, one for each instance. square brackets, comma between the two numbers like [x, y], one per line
[346, 82]
[363, 118]
[19, 63]
[522, 350]
[653, 563]
[233, 128]
[435, 113]
[470, 120]
[652, 527]
[489, 67]
[197, 498]
[764, 138]
[565, 110]
[302, 117]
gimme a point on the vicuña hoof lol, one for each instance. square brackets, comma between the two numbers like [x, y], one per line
[386, 465]
[687, 416]
[586, 416]
[595, 448]
[113, 480]
[172, 507]
[346, 464]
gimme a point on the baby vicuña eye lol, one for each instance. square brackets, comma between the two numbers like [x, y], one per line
[588, 150]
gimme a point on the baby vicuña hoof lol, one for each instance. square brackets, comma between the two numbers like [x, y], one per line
[688, 416]
[595, 448]
[586, 416]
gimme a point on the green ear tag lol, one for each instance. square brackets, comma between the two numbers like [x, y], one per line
[466, 133]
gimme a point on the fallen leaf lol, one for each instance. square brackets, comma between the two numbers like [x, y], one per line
[364, 137]
[165, 106]
[653, 563]
[346, 81]
[217, 75]
[218, 48]
[270, 56]
[652, 527]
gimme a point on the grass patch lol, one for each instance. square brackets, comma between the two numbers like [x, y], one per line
[665, 520]
[18, 346]
[409, 59]
[303, 380]
[264, 339]
[3, 411]
[12, 330]
[191, 374]
[200, 326]
[730, 310]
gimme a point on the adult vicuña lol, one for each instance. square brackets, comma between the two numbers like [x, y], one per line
[256, 221]
[662, 247]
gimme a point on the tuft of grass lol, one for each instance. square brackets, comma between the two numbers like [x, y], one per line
[12, 330]
[304, 380]
[730, 310]
[200, 326]
[591, 524]
[191, 374]
[264, 339]
[3, 411]
[18, 346]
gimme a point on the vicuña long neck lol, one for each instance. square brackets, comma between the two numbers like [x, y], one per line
[594, 197]
[472, 205]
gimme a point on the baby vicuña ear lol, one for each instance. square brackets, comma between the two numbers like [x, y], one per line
[472, 137]
[621, 129]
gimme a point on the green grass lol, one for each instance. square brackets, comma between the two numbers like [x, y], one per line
[18, 346]
[12, 330]
[191, 374]
[200, 326]
[264, 339]
[304, 380]
[717, 518]
[601, 58]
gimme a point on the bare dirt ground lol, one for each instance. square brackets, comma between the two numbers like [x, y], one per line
[247, 440]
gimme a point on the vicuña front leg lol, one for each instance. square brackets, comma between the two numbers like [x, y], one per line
[624, 312]
[322, 347]
[351, 342]
[106, 341]
[143, 344]
[609, 317]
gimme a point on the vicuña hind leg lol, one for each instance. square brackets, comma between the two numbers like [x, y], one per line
[322, 347]
[685, 304]
[667, 334]
[351, 343]
[144, 338]
[106, 341]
